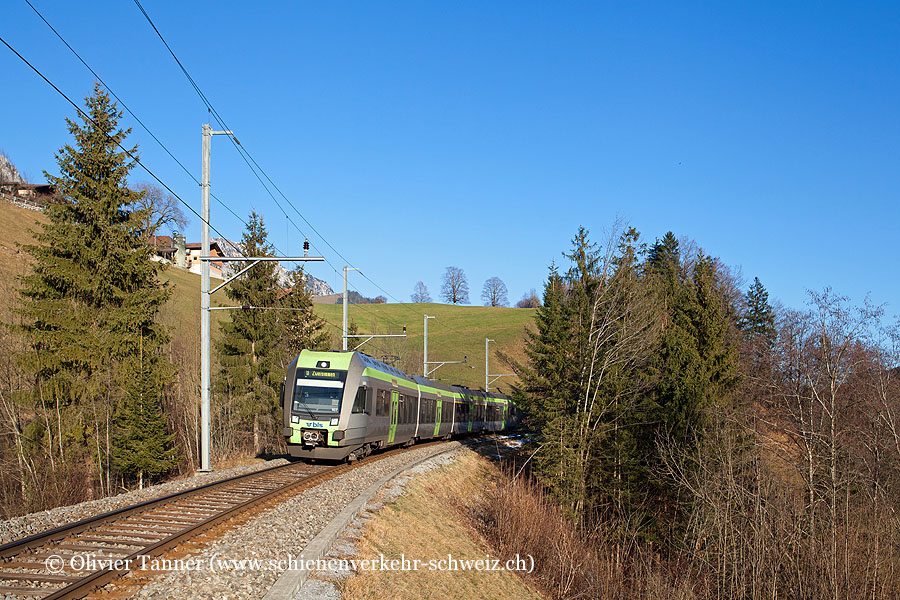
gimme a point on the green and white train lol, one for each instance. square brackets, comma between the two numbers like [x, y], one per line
[344, 405]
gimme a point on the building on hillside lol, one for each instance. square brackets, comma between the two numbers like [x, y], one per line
[39, 194]
[192, 258]
[163, 247]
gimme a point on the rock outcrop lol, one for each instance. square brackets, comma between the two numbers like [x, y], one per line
[8, 172]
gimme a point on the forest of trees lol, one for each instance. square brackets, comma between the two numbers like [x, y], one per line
[95, 393]
[703, 440]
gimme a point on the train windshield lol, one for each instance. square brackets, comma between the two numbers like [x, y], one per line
[318, 397]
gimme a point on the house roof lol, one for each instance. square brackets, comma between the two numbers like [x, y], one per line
[196, 246]
[161, 241]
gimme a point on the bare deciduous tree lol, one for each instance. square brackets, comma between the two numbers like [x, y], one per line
[494, 292]
[420, 293]
[161, 210]
[529, 300]
[455, 288]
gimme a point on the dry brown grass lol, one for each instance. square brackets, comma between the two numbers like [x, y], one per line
[16, 225]
[429, 522]
[517, 517]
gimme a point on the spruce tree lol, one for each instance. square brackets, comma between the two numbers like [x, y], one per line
[758, 321]
[712, 320]
[675, 365]
[251, 346]
[545, 376]
[303, 328]
[89, 304]
[143, 446]
[547, 395]
[758, 327]
[583, 381]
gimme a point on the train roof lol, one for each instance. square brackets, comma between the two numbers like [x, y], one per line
[374, 363]
[384, 367]
[432, 384]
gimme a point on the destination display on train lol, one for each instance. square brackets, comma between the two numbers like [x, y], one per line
[323, 374]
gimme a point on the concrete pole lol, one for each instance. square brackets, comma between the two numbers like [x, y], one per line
[425, 361]
[486, 360]
[344, 344]
[204, 305]
[204, 299]
[346, 304]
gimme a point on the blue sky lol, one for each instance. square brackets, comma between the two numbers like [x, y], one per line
[417, 135]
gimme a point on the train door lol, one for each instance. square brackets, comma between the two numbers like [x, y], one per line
[437, 417]
[395, 408]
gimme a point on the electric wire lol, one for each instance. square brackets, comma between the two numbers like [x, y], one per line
[153, 135]
[248, 158]
[95, 124]
[158, 141]
[130, 112]
[88, 118]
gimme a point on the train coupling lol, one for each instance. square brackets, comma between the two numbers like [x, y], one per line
[313, 437]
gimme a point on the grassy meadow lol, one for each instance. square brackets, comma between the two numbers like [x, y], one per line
[455, 332]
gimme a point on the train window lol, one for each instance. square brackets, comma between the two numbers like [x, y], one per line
[359, 405]
[381, 405]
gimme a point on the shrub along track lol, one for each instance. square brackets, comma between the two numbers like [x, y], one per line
[119, 538]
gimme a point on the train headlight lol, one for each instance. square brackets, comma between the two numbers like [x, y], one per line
[334, 421]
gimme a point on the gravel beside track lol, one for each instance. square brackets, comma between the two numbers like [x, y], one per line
[324, 584]
[20, 527]
[274, 535]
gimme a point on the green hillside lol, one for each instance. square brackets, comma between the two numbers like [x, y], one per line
[456, 331]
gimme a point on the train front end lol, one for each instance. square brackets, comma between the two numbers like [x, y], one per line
[319, 390]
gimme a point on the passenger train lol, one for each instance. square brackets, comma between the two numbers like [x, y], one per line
[343, 405]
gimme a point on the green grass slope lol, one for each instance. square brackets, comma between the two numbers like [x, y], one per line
[456, 331]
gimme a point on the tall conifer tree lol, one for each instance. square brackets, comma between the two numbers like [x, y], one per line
[759, 319]
[304, 329]
[143, 446]
[250, 349]
[758, 327]
[89, 304]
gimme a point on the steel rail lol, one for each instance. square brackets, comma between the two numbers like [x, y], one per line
[19, 549]
[18, 546]
[84, 586]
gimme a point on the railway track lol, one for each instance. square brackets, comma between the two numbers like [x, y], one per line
[54, 565]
